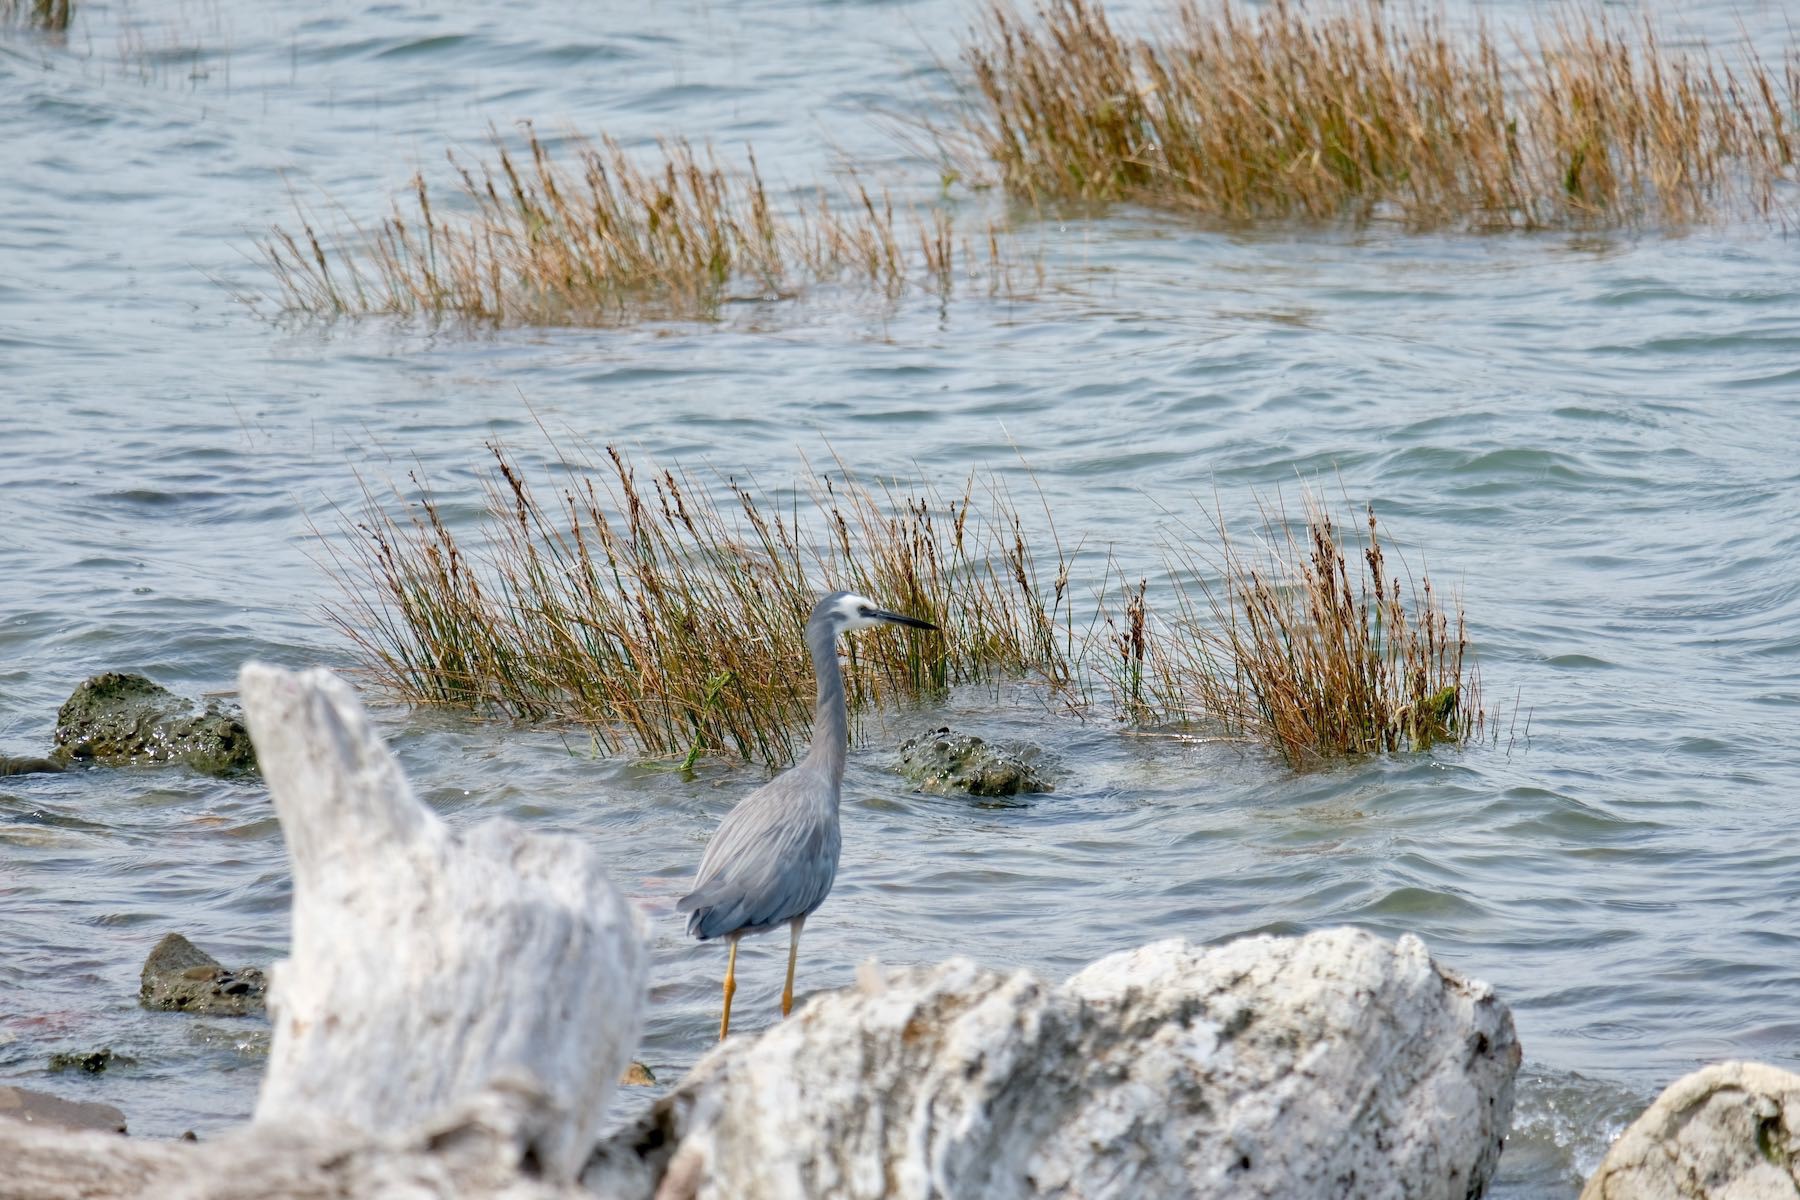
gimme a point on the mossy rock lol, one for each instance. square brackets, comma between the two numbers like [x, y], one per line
[945, 762]
[179, 976]
[91, 1061]
[120, 719]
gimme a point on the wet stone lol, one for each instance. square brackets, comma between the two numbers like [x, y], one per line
[638, 1075]
[248, 1042]
[91, 1061]
[41, 1108]
[180, 977]
[119, 719]
[10, 765]
[945, 762]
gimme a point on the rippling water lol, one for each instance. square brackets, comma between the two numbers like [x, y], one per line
[1595, 438]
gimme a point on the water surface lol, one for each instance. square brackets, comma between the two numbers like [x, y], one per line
[1593, 438]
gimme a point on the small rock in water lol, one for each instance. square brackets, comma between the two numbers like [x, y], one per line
[945, 762]
[180, 977]
[41, 1108]
[1724, 1132]
[118, 719]
[92, 1061]
[10, 765]
[250, 1042]
[637, 1075]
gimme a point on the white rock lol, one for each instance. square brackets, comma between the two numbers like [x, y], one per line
[1730, 1131]
[1334, 1065]
[426, 966]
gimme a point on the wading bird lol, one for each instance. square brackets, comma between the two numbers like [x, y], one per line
[776, 853]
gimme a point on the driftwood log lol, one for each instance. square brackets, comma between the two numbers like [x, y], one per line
[456, 1008]
[428, 966]
[482, 1150]
[452, 1017]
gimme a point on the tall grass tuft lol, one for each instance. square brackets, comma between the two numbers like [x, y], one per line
[635, 603]
[1314, 646]
[600, 238]
[1371, 110]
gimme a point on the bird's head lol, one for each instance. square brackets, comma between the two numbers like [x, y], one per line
[847, 611]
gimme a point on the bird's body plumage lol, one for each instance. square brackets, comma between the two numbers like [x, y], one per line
[774, 858]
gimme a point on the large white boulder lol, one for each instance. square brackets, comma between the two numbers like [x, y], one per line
[1333, 1065]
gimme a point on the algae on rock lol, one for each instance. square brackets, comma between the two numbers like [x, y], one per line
[121, 719]
[945, 762]
[25, 765]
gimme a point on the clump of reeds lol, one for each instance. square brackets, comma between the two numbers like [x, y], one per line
[1314, 646]
[1375, 110]
[636, 603]
[668, 614]
[50, 15]
[603, 238]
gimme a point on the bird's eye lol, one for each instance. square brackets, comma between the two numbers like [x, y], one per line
[865, 610]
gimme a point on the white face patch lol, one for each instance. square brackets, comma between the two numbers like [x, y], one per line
[852, 607]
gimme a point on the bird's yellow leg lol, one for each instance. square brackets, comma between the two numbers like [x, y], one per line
[787, 993]
[730, 987]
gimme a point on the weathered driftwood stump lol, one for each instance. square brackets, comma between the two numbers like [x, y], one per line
[1730, 1131]
[1333, 1065]
[428, 966]
[451, 1020]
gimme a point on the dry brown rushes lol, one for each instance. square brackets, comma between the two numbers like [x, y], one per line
[1378, 111]
[50, 15]
[672, 623]
[635, 603]
[602, 239]
[1314, 646]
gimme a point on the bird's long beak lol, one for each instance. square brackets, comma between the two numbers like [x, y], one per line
[882, 614]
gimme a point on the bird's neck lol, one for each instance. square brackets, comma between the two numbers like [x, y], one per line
[831, 727]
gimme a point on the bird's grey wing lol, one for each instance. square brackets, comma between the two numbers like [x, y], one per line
[774, 858]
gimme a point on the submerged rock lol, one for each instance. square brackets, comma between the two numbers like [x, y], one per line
[10, 765]
[41, 1108]
[946, 762]
[638, 1075]
[180, 977]
[91, 1061]
[1730, 1131]
[1336, 1064]
[119, 719]
[249, 1042]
